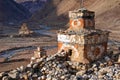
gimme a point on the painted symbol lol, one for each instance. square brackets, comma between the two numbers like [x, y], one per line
[76, 23]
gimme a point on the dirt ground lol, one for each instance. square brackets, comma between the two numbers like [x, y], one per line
[22, 58]
[47, 38]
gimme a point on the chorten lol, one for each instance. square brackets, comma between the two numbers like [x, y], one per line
[86, 43]
[24, 30]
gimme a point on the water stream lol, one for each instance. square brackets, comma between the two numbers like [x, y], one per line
[12, 52]
[45, 30]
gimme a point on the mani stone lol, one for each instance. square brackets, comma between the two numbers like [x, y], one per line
[62, 70]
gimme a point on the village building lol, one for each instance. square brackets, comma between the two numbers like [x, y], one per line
[81, 39]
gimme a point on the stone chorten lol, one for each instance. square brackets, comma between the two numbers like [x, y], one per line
[81, 38]
[40, 52]
[24, 30]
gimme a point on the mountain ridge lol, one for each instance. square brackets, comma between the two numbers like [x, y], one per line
[10, 11]
[106, 12]
[32, 5]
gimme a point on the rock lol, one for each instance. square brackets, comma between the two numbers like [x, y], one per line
[21, 68]
[13, 74]
[56, 73]
[100, 77]
[107, 58]
[62, 77]
[70, 63]
[103, 72]
[110, 63]
[93, 77]
[32, 60]
[11, 36]
[94, 65]
[39, 60]
[72, 77]
[49, 77]
[21, 76]
[29, 65]
[101, 65]
[59, 66]
[43, 77]
[54, 79]
[44, 68]
[29, 73]
[18, 69]
[1, 74]
[95, 69]
[39, 78]
[80, 73]
[25, 77]
[54, 65]
[35, 65]
[119, 59]
[34, 75]
[83, 67]
[5, 78]
[90, 71]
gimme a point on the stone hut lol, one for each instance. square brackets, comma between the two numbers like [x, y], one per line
[81, 38]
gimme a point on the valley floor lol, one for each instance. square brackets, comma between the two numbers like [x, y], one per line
[16, 52]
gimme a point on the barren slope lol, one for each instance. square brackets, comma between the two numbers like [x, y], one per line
[10, 11]
[107, 13]
[55, 11]
[32, 5]
[107, 16]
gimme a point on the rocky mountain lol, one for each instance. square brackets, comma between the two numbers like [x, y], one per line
[32, 5]
[107, 17]
[56, 11]
[21, 1]
[11, 12]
